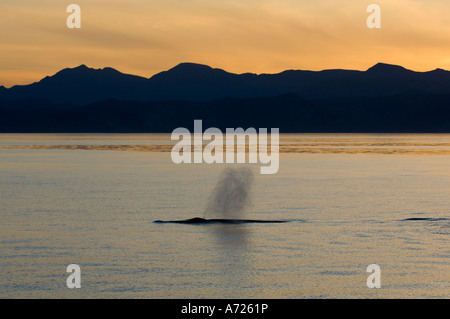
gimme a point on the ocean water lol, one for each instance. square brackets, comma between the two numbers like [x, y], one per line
[350, 201]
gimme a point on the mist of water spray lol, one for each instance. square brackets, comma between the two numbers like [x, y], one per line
[231, 194]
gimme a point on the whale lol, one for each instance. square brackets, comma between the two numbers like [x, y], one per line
[199, 220]
[424, 219]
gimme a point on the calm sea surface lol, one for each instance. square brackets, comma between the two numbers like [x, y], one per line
[351, 201]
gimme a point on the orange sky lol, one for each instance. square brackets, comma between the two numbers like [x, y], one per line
[145, 37]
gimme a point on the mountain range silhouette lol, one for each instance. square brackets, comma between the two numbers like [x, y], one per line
[384, 98]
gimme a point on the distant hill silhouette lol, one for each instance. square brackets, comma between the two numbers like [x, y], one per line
[385, 98]
[80, 85]
[195, 82]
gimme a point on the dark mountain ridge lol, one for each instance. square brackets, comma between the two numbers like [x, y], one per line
[385, 98]
[196, 82]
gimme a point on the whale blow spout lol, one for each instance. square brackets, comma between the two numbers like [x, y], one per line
[231, 196]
